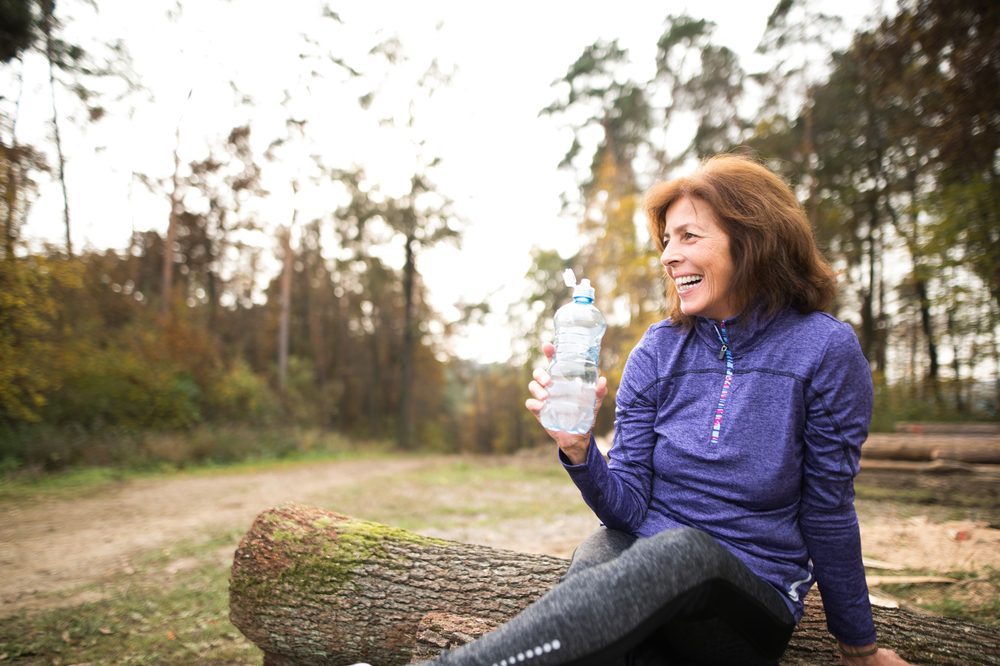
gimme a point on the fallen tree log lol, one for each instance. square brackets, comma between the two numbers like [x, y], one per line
[980, 449]
[313, 587]
[953, 428]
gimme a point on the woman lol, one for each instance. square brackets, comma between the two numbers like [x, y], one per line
[729, 487]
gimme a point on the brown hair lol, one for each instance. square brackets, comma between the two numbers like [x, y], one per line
[777, 263]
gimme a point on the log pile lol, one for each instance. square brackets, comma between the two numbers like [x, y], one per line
[313, 587]
[980, 449]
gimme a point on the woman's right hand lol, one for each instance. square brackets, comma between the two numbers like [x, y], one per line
[573, 446]
[869, 655]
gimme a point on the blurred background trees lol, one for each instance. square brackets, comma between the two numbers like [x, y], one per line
[323, 321]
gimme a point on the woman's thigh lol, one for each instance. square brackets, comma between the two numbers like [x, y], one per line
[614, 609]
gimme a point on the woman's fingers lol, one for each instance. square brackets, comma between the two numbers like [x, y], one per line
[541, 375]
[534, 406]
[600, 392]
[537, 391]
[536, 387]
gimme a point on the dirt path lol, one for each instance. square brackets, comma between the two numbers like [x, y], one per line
[55, 545]
[52, 549]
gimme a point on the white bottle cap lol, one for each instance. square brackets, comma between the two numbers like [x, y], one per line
[583, 290]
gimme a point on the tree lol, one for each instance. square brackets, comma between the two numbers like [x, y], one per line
[71, 67]
[48, 29]
[287, 267]
[793, 29]
[875, 145]
[28, 332]
[952, 54]
[423, 218]
[18, 24]
[18, 164]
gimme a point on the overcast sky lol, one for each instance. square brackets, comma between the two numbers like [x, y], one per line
[499, 159]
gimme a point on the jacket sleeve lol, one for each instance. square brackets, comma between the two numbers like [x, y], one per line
[618, 491]
[839, 408]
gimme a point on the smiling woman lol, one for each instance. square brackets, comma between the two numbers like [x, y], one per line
[697, 258]
[729, 488]
[756, 241]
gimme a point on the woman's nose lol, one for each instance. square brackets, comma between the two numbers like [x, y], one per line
[669, 255]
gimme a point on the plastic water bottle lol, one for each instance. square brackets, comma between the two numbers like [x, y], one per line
[579, 329]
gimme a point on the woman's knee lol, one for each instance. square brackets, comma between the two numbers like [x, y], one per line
[601, 546]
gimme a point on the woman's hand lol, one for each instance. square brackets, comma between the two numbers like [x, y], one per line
[882, 657]
[574, 447]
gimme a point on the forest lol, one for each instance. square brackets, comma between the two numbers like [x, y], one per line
[220, 334]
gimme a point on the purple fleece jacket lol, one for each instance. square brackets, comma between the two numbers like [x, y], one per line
[750, 430]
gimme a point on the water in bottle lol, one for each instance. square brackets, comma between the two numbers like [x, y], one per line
[579, 329]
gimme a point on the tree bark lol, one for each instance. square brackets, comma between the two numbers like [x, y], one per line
[167, 279]
[48, 26]
[313, 587]
[404, 435]
[287, 266]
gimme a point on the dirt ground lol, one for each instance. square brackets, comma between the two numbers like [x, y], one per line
[52, 547]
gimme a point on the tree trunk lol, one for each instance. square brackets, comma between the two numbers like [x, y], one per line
[927, 326]
[288, 265]
[313, 587]
[405, 427]
[48, 21]
[166, 306]
[317, 282]
[12, 186]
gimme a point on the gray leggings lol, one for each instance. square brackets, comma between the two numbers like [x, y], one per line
[676, 598]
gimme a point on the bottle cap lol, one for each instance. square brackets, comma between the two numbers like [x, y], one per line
[583, 290]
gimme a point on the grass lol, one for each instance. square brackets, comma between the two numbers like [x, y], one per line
[160, 614]
[973, 598]
[151, 616]
[85, 481]
[68, 484]
[476, 493]
[942, 498]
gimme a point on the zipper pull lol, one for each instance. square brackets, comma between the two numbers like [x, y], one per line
[723, 350]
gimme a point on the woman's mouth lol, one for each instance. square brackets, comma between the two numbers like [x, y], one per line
[687, 283]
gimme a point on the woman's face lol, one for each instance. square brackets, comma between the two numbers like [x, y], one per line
[697, 258]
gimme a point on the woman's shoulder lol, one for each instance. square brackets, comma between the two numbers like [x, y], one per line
[659, 338]
[817, 324]
[818, 335]
[664, 331]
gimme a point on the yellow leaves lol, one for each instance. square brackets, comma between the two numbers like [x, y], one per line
[26, 308]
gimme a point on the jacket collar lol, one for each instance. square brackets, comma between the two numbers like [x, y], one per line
[743, 331]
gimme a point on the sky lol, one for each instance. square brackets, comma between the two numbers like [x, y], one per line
[499, 159]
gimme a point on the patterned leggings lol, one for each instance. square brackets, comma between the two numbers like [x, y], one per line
[676, 598]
